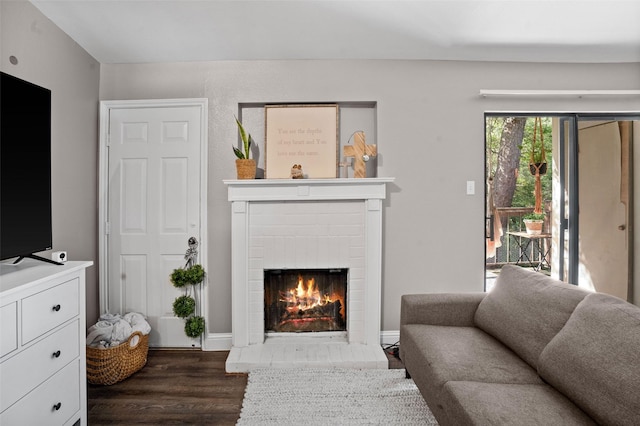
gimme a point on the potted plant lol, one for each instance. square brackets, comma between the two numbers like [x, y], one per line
[533, 223]
[538, 158]
[185, 306]
[245, 167]
[538, 166]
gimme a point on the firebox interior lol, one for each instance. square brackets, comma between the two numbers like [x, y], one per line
[305, 300]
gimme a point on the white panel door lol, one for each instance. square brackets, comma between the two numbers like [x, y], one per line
[154, 207]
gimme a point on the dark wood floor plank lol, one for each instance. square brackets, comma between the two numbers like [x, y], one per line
[175, 387]
[187, 387]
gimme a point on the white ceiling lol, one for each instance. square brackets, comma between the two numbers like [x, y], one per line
[130, 31]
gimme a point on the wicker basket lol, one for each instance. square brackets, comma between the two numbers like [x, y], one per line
[112, 365]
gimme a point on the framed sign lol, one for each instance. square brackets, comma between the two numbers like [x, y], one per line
[301, 136]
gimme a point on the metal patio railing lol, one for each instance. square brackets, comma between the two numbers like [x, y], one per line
[510, 252]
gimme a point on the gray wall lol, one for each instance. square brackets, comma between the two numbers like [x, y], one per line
[49, 58]
[430, 136]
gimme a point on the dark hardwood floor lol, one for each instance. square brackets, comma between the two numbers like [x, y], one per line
[175, 387]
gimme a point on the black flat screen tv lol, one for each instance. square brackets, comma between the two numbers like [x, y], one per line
[25, 169]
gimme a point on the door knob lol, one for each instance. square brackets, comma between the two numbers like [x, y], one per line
[622, 227]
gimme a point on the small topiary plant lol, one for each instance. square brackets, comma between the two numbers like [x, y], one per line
[190, 276]
[188, 279]
[194, 326]
[178, 278]
[184, 306]
[195, 274]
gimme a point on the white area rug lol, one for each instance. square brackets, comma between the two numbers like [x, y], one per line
[304, 397]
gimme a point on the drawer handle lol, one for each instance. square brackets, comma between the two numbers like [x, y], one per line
[56, 354]
[56, 308]
[57, 406]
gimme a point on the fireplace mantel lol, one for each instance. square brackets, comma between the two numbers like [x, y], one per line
[307, 189]
[352, 240]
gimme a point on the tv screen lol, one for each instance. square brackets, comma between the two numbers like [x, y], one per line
[25, 168]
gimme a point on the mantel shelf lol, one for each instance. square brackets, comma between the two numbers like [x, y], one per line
[290, 182]
[307, 189]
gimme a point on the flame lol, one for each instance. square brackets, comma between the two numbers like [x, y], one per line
[303, 297]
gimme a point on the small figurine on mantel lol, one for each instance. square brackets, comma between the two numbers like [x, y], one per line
[296, 172]
[361, 152]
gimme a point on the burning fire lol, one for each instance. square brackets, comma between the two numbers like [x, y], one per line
[310, 304]
[304, 297]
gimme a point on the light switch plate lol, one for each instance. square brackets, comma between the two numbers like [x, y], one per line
[471, 187]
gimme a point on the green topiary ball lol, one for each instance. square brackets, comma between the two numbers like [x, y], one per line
[195, 274]
[192, 275]
[184, 306]
[194, 326]
[179, 278]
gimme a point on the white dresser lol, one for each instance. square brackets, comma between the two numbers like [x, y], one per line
[42, 344]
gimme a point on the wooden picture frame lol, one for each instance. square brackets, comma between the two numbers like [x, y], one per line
[304, 135]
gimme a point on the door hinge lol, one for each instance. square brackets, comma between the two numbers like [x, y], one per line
[107, 228]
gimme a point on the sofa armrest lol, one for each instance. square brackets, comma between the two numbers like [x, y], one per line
[451, 309]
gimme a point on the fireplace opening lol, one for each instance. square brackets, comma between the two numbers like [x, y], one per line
[305, 300]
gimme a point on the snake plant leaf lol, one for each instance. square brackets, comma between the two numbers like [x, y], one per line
[246, 140]
[238, 153]
[243, 134]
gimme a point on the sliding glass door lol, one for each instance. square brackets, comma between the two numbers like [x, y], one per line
[585, 194]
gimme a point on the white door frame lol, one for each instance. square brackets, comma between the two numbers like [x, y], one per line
[103, 189]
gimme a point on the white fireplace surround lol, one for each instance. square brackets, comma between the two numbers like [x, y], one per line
[303, 224]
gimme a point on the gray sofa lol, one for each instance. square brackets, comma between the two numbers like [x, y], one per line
[533, 351]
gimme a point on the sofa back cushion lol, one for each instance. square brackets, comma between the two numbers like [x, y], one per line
[595, 360]
[526, 309]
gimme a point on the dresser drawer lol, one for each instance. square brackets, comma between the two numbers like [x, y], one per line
[52, 403]
[9, 330]
[48, 309]
[37, 363]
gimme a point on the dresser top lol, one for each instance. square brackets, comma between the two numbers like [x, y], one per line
[33, 272]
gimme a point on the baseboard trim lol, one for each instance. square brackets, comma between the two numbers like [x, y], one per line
[222, 341]
[389, 337]
[217, 342]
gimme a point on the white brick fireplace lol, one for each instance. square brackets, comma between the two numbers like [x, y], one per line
[299, 224]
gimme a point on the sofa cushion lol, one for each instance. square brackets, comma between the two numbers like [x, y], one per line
[465, 353]
[474, 403]
[526, 309]
[433, 355]
[595, 359]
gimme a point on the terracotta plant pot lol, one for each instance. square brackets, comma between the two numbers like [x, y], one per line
[534, 227]
[246, 169]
